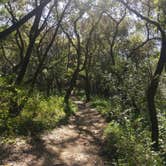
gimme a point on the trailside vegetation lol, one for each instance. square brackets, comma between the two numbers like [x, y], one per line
[109, 53]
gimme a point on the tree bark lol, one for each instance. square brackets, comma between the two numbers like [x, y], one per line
[151, 93]
[15, 26]
[77, 47]
[87, 86]
[153, 86]
[33, 35]
[39, 68]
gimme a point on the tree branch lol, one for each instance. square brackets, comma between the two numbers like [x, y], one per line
[16, 25]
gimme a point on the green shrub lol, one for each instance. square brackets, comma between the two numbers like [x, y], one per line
[129, 148]
[39, 113]
[128, 137]
[103, 106]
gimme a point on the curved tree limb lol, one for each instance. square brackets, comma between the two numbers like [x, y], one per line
[16, 25]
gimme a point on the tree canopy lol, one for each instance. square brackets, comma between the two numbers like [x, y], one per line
[112, 49]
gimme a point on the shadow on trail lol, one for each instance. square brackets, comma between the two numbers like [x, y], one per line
[35, 150]
[78, 143]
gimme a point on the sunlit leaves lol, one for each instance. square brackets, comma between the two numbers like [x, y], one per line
[3, 1]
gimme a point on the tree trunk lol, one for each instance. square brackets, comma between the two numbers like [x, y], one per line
[152, 90]
[59, 85]
[15, 26]
[71, 85]
[69, 90]
[33, 35]
[87, 86]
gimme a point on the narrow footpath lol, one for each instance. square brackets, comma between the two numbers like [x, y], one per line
[79, 143]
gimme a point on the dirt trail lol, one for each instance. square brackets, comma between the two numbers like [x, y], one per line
[79, 143]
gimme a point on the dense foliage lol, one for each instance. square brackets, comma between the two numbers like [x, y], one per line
[127, 136]
[112, 49]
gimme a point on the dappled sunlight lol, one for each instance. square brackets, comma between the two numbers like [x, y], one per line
[77, 143]
[82, 82]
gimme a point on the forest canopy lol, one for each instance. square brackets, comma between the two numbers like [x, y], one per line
[109, 53]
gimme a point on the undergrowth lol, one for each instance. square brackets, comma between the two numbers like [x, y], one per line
[39, 113]
[127, 135]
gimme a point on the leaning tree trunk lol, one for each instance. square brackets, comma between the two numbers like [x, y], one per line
[87, 86]
[34, 32]
[15, 108]
[15, 26]
[71, 85]
[152, 90]
[69, 90]
[77, 70]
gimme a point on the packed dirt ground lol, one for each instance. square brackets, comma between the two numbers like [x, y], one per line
[78, 143]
